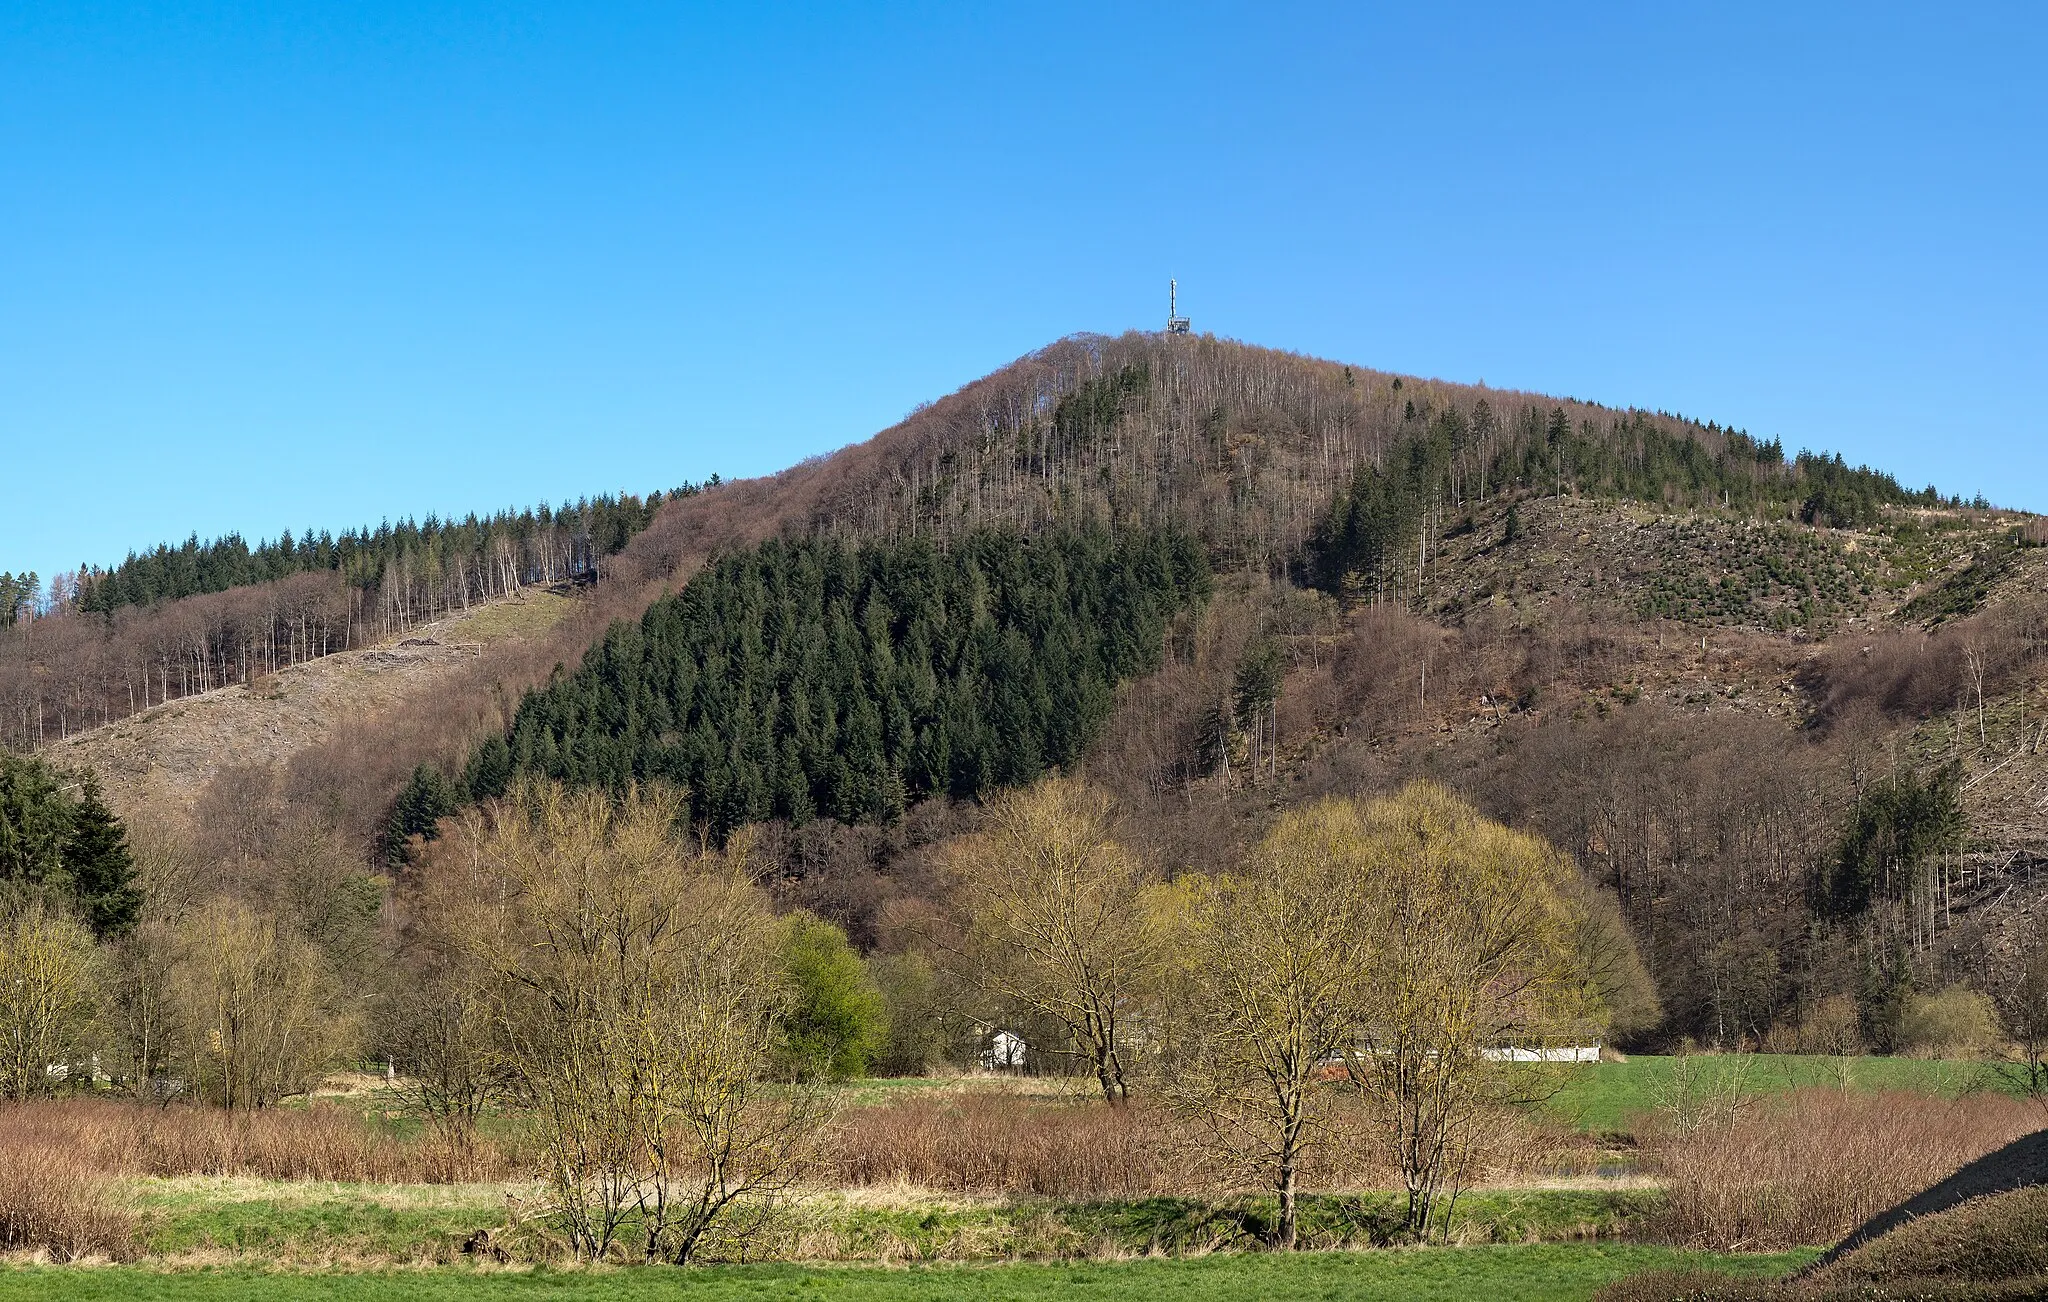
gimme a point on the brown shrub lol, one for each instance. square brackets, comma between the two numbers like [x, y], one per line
[321, 1142]
[53, 1200]
[2001, 1237]
[1688, 1286]
[1707, 1286]
[995, 1143]
[1808, 1167]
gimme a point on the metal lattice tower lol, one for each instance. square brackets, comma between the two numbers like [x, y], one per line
[1176, 324]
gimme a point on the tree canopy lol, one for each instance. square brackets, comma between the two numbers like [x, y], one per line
[1381, 525]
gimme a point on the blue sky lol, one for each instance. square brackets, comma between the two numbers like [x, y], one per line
[271, 265]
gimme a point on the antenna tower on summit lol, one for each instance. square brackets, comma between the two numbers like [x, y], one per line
[1176, 324]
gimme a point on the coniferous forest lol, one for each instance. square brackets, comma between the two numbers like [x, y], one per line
[818, 679]
[485, 555]
[1380, 528]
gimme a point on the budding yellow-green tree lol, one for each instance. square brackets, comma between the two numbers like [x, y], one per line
[1263, 995]
[1382, 948]
[1476, 943]
[49, 982]
[639, 997]
[1054, 921]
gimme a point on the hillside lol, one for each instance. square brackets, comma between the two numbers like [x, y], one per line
[1683, 656]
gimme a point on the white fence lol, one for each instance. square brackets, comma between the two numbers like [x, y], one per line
[1562, 1053]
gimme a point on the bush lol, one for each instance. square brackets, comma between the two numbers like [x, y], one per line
[1955, 1022]
[912, 1007]
[2002, 1237]
[53, 1200]
[992, 1143]
[1989, 1248]
[836, 1024]
[322, 1142]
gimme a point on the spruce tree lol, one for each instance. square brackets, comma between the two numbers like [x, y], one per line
[427, 799]
[101, 869]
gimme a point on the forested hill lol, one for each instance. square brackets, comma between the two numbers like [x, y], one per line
[1260, 456]
[803, 646]
[813, 678]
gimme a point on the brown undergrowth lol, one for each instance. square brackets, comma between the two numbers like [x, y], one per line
[1809, 1166]
[986, 1143]
[320, 1142]
[53, 1200]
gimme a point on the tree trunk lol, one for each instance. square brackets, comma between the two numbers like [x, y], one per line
[1284, 1228]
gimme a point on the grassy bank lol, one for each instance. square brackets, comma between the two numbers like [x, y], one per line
[310, 1223]
[1542, 1273]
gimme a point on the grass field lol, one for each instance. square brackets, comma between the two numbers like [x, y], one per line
[1541, 1273]
[1603, 1097]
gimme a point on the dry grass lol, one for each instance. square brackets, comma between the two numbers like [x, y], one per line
[1809, 1166]
[947, 1141]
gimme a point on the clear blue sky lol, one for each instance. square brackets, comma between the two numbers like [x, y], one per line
[265, 266]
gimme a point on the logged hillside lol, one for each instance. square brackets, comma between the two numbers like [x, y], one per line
[174, 622]
[1691, 661]
[158, 764]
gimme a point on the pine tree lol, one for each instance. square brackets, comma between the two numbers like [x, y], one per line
[489, 774]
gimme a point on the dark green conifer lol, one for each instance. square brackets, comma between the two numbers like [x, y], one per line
[101, 869]
[426, 800]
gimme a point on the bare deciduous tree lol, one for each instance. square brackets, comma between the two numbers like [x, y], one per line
[2025, 1011]
[436, 1022]
[261, 1014]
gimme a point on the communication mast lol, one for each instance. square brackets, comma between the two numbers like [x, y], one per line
[1176, 324]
